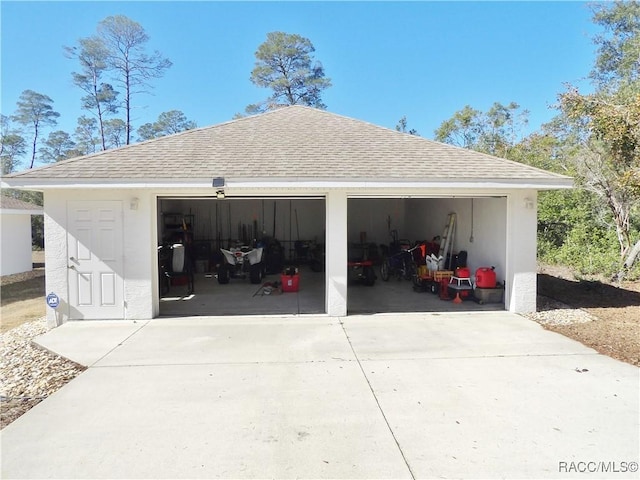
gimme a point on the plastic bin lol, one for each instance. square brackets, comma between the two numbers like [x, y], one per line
[489, 295]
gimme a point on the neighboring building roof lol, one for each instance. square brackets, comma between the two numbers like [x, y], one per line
[296, 144]
[14, 205]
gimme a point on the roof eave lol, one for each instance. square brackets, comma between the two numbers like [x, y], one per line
[16, 211]
[550, 183]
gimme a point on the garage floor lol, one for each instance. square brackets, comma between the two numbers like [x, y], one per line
[240, 297]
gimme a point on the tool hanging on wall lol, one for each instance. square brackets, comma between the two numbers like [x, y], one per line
[274, 219]
[229, 239]
[290, 235]
[211, 230]
[471, 236]
[218, 232]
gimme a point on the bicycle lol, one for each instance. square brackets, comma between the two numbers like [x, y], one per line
[400, 264]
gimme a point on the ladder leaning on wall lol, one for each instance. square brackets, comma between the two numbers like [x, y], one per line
[446, 242]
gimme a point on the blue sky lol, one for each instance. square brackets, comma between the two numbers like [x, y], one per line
[424, 60]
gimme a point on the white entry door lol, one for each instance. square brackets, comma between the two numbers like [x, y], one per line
[95, 263]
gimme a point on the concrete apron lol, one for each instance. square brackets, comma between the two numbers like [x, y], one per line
[478, 395]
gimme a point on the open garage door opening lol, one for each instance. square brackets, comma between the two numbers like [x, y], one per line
[425, 254]
[240, 256]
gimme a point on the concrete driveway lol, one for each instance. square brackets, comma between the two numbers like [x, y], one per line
[482, 395]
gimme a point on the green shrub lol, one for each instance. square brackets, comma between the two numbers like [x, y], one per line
[574, 230]
[588, 248]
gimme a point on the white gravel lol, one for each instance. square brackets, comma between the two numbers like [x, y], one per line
[553, 312]
[28, 371]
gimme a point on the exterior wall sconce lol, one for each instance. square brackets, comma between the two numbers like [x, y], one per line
[218, 183]
[133, 203]
[528, 203]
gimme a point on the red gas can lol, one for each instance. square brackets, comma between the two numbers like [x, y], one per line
[486, 277]
[463, 272]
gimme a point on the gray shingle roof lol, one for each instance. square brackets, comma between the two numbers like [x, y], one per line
[292, 143]
[10, 203]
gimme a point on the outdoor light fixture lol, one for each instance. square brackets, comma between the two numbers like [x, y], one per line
[220, 193]
[218, 182]
[133, 203]
[528, 203]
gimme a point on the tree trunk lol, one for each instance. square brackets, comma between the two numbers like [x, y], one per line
[628, 263]
[127, 104]
[633, 254]
[35, 145]
[620, 210]
[96, 95]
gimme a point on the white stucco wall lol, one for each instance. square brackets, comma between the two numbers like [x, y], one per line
[15, 243]
[140, 290]
[336, 254]
[522, 227]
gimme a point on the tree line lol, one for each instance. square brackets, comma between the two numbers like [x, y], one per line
[114, 68]
[594, 137]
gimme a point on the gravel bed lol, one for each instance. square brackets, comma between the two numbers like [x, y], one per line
[21, 277]
[553, 312]
[29, 373]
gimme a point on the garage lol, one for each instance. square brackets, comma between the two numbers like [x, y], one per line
[287, 231]
[406, 230]
[313, 189]
[291, 234]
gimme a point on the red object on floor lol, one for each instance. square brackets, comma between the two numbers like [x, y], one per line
[486, 277]
[444, 289]
[290, 283]
[463, 272]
